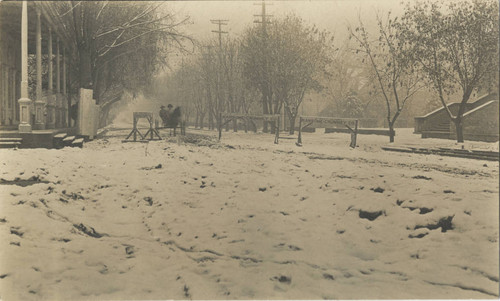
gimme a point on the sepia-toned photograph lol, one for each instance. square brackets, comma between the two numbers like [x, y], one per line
[249, 150]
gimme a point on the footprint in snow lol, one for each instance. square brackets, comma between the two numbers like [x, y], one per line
[290, 247]
[16, 231]
[378, 189]
[282, 279]
[129, 250]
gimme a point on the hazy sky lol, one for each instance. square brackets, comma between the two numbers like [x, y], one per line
[328, 14]
[332, 15]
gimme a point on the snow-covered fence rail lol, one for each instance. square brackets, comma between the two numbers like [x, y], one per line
[324, 122]
[225, 118]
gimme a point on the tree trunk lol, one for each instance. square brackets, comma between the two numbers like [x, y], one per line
[292, 123]
[218, 122]
[459, 128]
[210, 119]
[265, 111]
[97, 88]
[85, 67]
[210, 110]
[271, 112]
[391, 132]
[458, 120]
[235, 122]
[103, 118]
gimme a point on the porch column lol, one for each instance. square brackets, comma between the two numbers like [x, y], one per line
[4, 75]
[58, 67]
[39, 103]
[58, 84]
[64, 103]
[24, 101]
[50, 95]
[14, 112]
[68, 92]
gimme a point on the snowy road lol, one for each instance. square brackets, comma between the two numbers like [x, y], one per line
[247, 219]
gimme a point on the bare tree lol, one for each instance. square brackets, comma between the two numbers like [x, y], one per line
[454, 46]
[391, 66]
[344, 77]
[285, 63]
[215, 81]
[117, 45]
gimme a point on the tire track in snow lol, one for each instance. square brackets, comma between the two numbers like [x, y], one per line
[464, 287]
[482, 273]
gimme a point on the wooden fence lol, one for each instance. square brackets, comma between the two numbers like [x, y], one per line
[225, 118]
[324, 122]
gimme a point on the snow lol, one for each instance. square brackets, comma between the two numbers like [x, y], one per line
[191, 218]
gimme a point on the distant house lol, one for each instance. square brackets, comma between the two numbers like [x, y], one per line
[480, 123]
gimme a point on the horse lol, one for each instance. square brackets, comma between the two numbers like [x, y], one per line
[173, 120]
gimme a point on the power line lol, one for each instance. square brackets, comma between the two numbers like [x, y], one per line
[264, 17]
[220, 32]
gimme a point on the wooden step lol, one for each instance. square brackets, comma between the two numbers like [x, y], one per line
[77, 143]
[11, 139]
[68, 140]
[60, 136]
[10, 144]
[57, 140]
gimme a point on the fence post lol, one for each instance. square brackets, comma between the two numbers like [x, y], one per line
[277, 130]
[135, 128]
[354, 135]
[151, 127]
[299, 140]
[219, 125]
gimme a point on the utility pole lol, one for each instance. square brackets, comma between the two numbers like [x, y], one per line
[266, 102]
[218, 108]
[264, 17]
[220, 32]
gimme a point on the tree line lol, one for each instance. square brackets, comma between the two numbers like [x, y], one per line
[114, 47]
[433, 50]
[441, 51]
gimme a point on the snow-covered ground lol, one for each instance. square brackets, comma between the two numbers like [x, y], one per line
[190, 218]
